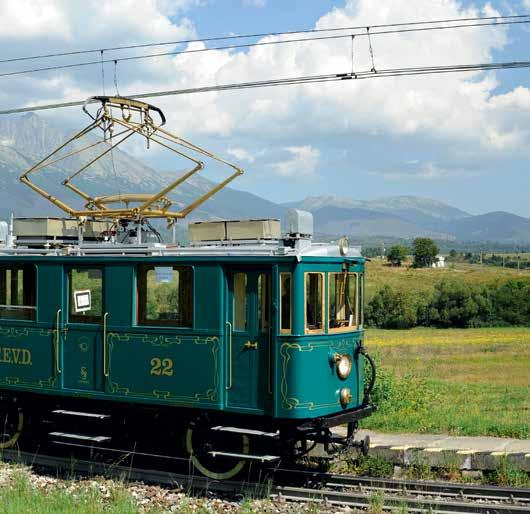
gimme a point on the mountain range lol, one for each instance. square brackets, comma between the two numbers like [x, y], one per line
[26, 139]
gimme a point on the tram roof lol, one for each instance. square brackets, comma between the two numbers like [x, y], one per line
[277, 249]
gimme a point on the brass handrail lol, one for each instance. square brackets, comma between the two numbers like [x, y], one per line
[105, 370]
[229, 385]
[57, 341]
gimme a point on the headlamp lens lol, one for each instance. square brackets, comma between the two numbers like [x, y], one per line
[344, 365]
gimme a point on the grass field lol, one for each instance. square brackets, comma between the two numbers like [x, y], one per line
[378, 274]
[464, 382]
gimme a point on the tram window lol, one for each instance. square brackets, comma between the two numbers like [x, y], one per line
[342, 301]
[264, 301]
[314, 302]
[86, 295]
[165, 295]
[240, 301]
[17, 292]
[285, 302]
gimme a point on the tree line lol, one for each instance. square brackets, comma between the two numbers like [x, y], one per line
[453, 304]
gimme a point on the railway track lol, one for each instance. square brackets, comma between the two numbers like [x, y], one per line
[331, 489]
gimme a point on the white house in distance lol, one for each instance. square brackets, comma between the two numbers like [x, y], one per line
[439, 262]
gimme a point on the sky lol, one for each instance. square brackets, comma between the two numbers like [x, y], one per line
[462, 139]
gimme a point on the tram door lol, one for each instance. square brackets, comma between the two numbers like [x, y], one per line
[248, 339]
[82, 320]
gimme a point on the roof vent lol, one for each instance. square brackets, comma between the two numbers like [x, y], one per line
[299, 224]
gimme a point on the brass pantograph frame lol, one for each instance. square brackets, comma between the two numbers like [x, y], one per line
[156, 205]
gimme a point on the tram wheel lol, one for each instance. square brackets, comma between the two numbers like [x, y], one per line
[199, 442]
[11, 425]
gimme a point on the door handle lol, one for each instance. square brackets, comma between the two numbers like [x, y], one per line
[229, 325]
[57, 342]
[105, 370]
[249, 345]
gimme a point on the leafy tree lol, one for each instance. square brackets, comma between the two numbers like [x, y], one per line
[457, 304]
[512, 303]
[397, 254]
[424, 251]
[390, 309]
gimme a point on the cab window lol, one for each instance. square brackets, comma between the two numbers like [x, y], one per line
[165, 295]
[286, 281]
[314, 302]
[342, 301]
[17, 292]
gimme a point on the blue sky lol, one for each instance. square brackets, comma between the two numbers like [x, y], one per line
[463, 140]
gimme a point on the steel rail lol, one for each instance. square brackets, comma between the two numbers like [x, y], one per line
[471, 491]
[414, 504]
[418, 496]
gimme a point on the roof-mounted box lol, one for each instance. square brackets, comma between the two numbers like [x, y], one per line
[234, 230]
[56, 229]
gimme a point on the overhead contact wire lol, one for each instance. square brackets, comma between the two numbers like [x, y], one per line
[309, 79]
[365, 33]
[263, 34]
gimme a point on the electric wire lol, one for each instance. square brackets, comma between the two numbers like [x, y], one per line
[307, 79]
[367, 32]
[263, 34]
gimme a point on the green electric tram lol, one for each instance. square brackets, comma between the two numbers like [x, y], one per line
[244, 345]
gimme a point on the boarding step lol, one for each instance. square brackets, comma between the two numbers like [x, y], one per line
[246, 431]
[81, 437]
[246, 456]
[93, 415]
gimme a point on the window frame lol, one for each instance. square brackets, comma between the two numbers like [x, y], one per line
[73, 318]
[235, 326]
[322, 303]
[286, 331]
[361, 285]
[33, 308]
[166, 324]
[355, 326]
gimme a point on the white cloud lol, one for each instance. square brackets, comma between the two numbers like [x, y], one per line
[428, 171]
[27, 19]
[303, 162]
[462, 111]
[255, 3]
[460, 108]
[241, 154]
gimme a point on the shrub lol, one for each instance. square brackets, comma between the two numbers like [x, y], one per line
[391, 309]
[456, 304]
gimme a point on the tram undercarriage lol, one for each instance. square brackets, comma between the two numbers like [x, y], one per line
[216, 444]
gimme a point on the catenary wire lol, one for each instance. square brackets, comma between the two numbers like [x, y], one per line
[263, 34]
[365, 33]
[308, 79]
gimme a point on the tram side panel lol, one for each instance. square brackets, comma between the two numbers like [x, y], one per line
[170, 365]
[29, 356]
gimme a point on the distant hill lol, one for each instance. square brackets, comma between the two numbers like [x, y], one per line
[493, 226]
[26, 139]
[361, 223]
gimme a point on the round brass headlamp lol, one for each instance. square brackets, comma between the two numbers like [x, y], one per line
[345, 396]
[344, 364]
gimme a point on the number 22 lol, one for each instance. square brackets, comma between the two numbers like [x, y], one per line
[161, 367]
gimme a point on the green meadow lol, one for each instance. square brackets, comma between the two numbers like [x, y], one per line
[456, 381]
